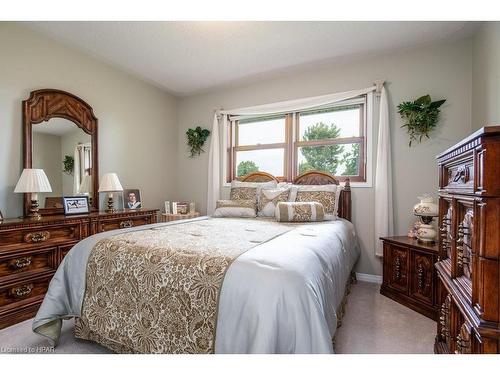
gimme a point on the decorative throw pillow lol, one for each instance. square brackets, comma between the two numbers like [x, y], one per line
[299, 211]
[235, 208]
[248, 190]
[269, 198]
[324, 194]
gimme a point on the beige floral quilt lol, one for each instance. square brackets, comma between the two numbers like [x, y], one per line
[157, 290]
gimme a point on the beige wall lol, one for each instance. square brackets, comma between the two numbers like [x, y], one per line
[443, 71]
[486, 76]
[137, 122]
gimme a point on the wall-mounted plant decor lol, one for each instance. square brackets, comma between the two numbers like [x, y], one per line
[196, 139]
[421, 116]
[69, 164]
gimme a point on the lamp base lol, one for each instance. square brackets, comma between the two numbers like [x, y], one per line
[34, 215]
[426, 234]
[111, 206]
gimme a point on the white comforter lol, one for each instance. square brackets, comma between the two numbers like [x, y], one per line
[279, 297]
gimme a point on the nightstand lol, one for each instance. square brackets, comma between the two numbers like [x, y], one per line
[172, 217]
[409, 276]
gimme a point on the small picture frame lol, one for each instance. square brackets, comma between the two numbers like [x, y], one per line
[167, 207]
[182, 208]
[132, 198]
[76, 205]
[1, 216]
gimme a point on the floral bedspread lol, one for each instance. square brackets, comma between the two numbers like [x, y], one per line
[157, 290]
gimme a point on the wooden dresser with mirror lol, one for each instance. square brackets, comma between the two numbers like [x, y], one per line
[56, 124]
[469, 245]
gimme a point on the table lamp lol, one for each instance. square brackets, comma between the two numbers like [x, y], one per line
[86, 187]
[110, 184]
[426, 210]
[33, 181]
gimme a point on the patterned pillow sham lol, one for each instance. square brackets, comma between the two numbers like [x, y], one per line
[299, 211]
[248, 190]
[235, 208]
[269, 198]
[327, 195]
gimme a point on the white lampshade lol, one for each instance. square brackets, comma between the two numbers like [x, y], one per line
[86, 185]
[110, 183]
[426, 207]
[33, 181]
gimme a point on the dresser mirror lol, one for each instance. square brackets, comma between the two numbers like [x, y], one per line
[60, 137]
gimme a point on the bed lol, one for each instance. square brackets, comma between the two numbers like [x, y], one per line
[232, 285]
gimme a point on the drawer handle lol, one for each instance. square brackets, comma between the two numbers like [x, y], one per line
[461, 175]
[420, 277]
[20, 263]
[37, 237]
[397, 268]
[22, 291]
[126, 224]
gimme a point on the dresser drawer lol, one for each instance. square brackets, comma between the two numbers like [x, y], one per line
[457, 175]
[20, 264]
[20, 294]
[105, 225]
[46, 235]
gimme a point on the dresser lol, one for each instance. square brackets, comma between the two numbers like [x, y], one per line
[31, 251]
[468, 269]
[409, 276]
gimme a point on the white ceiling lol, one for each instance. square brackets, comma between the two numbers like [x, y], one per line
[189, 57]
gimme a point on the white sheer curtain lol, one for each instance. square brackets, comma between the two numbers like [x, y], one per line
[81, 165]
[384, 220]
[383, 181]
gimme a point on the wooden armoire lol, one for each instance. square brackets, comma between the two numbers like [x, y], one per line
[469, 245]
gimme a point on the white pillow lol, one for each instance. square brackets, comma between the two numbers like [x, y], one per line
[229, 208]
[269, 198]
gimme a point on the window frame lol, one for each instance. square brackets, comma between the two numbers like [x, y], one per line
[293, 143]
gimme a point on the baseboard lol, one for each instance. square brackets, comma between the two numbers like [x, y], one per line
[376, 279]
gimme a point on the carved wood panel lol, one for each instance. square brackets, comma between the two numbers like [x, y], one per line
[398, 277]
[464, 242]
[445, 233]
[464, 342]
[445, 321]
[422, 276]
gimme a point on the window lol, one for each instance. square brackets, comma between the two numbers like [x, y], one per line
[331, 139]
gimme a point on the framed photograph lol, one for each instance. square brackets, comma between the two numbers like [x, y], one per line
[117, 201]
[182, 208]
[76, 205]
[167, 207]
[132, 199]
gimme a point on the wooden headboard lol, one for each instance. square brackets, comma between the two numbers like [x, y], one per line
[312, 178]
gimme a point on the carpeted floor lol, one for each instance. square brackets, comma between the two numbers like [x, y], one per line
[372, 324]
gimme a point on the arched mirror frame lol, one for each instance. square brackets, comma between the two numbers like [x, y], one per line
[42, 105]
